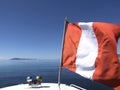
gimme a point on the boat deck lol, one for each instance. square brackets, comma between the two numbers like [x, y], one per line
[43, 86]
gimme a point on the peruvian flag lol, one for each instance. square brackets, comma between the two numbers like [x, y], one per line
[90, 49]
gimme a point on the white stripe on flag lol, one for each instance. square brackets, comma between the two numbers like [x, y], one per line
[87, 51]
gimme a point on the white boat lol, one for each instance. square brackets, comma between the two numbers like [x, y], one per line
[44, 86]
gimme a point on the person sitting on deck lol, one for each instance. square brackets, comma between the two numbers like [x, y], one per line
[37, 81]
[29, 80]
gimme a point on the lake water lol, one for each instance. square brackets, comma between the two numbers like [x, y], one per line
[13, 72]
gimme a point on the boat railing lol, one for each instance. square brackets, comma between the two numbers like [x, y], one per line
[78, 87]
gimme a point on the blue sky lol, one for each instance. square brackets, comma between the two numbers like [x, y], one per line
[34, 28]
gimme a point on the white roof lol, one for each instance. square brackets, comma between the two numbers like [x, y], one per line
[43, 86]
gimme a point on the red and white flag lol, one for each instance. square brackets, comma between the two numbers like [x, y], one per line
[90, 49]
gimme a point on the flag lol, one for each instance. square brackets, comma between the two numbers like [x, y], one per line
[90, 49]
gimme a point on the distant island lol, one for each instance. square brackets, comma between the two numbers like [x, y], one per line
[23, 59]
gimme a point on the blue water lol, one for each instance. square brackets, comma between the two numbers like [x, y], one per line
[13, 72]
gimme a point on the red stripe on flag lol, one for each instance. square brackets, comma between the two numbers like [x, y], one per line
[107, 66]
[70, 45]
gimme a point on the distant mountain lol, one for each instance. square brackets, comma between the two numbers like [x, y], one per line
[23, 59]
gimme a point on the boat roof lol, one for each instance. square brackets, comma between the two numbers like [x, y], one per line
[43, 86]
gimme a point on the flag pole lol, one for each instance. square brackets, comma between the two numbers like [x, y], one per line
[60, 66]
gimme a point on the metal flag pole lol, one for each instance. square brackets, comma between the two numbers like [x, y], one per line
[60, 67]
